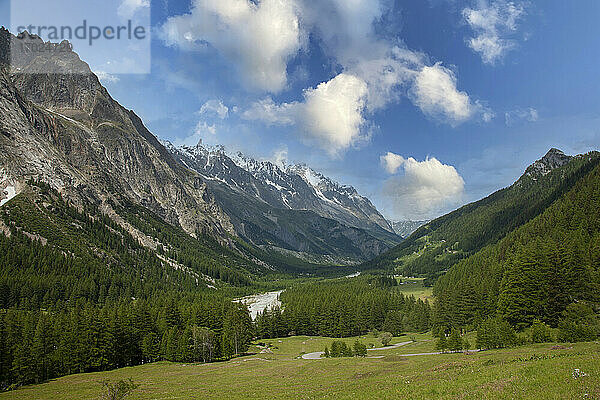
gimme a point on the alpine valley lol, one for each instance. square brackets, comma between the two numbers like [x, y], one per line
[194, 271]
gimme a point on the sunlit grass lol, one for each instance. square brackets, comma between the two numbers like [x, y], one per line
[528, 372]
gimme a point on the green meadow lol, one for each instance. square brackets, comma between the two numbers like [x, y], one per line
[519, 373]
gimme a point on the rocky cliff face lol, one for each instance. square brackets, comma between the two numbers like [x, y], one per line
[294, 187]
[64, 128]
[291, 210]
[553, 159]
[406, 228]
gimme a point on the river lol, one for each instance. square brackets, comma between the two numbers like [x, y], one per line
[258, 303]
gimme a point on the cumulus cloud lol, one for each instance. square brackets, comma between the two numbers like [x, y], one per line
[529, 115]
[128, 8]
[492, 23]
[214, 108]
[423, 188]
[259, 38]
[392, 162]
[331, 115]
[435, 93]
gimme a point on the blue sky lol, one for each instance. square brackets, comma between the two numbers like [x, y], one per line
[421, 105]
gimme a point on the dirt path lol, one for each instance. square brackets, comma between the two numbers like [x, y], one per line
[317, 354]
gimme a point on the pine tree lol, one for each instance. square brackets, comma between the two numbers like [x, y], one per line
[455, 341]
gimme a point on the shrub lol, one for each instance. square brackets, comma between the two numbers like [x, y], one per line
[540, 332]
[360, 349]
[117, 390]
[386, 338]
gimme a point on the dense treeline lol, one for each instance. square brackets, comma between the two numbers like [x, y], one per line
[445, 241]
[79, 293]
[52, 252]
[549, 269]
[40, 345]
[343, 308]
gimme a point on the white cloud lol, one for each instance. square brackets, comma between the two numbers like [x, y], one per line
[267, 111]
[435, 93]
[333, 112]
[331, 115]
[425, 187]
[259, 38]
[392, 162]
[203, 129]
[105, 77]
[529, 114]
[491, 23]
[387, 75]
[128, 8]
[214, 108]
[280, 157]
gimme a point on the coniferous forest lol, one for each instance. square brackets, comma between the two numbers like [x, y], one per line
[79, 293]
[548, 269]
[345, 308]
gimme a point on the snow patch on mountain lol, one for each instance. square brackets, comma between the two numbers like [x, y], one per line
[9, 192]
[296, 187]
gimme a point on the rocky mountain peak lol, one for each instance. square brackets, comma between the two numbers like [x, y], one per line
[296, 187]
[63, 128]
[555, 158]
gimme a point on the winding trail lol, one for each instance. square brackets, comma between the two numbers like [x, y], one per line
[318, 354]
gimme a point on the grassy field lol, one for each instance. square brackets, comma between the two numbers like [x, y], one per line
[414, 287]
[529, 372]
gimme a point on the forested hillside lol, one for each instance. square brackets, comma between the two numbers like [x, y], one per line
[548, 269]
[53, 252]
[79, 293]
[435, 247]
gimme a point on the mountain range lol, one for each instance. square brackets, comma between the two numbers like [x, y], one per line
[291, 209]
[405, 228]
[63, 128]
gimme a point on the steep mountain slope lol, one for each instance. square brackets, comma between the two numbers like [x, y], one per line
[65, 129]
[103, 167]
[537, 271]
[54, 252]
[443, 242]
[292, 210]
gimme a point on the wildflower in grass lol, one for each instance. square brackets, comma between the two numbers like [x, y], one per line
[577, 373]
